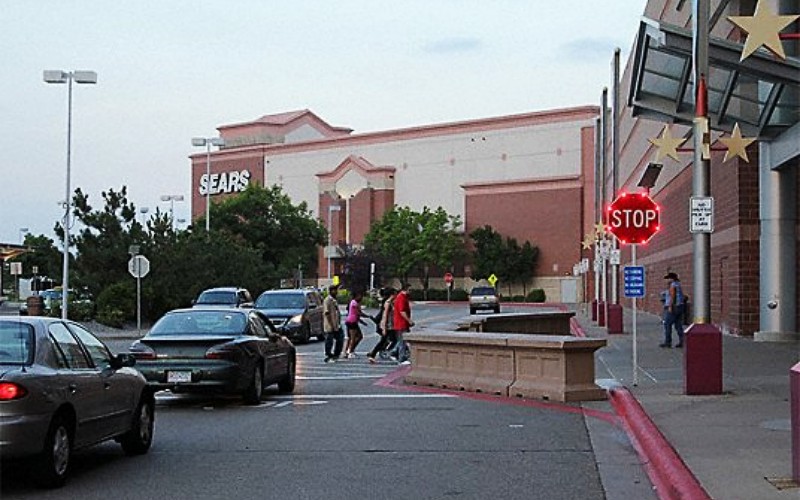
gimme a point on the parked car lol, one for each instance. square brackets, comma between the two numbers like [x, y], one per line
[61, 390]
[212, 349]
[297, 313]
[483, 297]
[228, 296]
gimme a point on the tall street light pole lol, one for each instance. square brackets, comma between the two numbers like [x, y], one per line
[172, 198]
[59, 77]
[22, 232]
[208, 142]
[331, 209]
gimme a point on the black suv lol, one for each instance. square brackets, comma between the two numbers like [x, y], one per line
[229, 296]
[297, 313]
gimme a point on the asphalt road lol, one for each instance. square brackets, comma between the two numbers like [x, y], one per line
[342, 436]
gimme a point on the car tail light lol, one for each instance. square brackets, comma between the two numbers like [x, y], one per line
[10, 391]
[142, 351]
[222, 351]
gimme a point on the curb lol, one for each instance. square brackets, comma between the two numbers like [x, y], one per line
[667, 471]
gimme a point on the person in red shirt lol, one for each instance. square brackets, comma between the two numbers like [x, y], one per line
[402, 323]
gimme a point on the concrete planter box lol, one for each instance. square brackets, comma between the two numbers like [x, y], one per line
[550, 367]
[537, 322]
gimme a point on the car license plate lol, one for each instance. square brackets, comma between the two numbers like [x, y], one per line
[178, 377]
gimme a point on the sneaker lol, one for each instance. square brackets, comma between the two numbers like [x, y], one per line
[406, 362]
[328, 359]
[665, 345]
[351, 355]
[679, 345]
[393, 358]
[371, 360]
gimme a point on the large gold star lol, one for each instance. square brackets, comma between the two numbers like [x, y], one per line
[762, 28]
[667, 145]
[588, 241]
[736, 144]
[599, 229]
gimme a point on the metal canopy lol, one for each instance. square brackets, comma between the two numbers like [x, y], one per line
[760, 93]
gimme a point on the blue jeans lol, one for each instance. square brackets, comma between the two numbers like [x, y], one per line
[401, 348]
[330, 338]
[672, 320]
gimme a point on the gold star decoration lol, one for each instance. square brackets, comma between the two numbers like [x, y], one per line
[762, 28]
[588, 241]
[599, 229]
[736, 144]
[667, 145]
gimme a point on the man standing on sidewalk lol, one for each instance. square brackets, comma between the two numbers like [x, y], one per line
[674, 304]
[332, 324]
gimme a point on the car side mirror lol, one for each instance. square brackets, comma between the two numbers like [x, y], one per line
[122, 360]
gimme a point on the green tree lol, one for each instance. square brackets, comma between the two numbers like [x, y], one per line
[45, 256]
[489, 254]
[264, 218]
[407, 240]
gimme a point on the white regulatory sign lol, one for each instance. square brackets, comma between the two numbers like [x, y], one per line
[138, 266]
[701, 214]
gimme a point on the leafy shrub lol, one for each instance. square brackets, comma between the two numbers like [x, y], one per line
[116, 304]
[82, 310]
[518, 298]
[536, 295]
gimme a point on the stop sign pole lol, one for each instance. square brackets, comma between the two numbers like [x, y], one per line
[633, 218]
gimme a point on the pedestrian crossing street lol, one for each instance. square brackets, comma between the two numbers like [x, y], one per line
[312, 366]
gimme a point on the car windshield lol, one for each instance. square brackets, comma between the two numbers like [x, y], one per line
[484, 290]
[217, 297]
[200, 323]
[16, 343]
[281, 301]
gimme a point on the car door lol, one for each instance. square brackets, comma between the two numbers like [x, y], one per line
[118, 386]
[276, 359]
[78, 383]
[315, 314]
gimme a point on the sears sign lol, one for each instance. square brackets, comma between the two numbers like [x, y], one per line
[225, 182]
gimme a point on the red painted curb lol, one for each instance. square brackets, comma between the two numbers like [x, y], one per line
[667, 471]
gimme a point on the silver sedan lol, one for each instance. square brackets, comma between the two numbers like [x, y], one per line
[61, 389]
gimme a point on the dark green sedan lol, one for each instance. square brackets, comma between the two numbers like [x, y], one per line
[216, 350]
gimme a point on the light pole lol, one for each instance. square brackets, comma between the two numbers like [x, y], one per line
[331, 209]
[143, 211]
[59, 77]
[172, 198]
[208, 142]
[22, 232]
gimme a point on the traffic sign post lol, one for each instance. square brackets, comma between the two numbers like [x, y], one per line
[139, 267]
[634, 218]
[448, 279]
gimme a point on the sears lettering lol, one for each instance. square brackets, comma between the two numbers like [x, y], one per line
[226, 182]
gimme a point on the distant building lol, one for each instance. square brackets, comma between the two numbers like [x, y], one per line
[526, 175]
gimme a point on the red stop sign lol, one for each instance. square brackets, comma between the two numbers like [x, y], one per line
[448, 278]
[633, 218]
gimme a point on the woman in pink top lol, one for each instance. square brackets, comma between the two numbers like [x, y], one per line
[352, 321]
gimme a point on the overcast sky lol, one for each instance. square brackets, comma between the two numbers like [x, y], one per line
[170, 70]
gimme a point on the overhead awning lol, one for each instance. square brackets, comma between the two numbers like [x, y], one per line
[760, 93]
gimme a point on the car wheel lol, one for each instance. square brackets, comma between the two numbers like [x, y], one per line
[472, 310]
[52, 467]
[252, 394]
[286, 384]
[497, 310]
[138, 439]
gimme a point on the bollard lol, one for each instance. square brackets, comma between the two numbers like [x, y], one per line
[601, 314]
[794, 390]
[35, 305]
[702, 360]
[594, 310]
[615, 319]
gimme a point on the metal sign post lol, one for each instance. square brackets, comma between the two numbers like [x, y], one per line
[634, 289]
[138, 266]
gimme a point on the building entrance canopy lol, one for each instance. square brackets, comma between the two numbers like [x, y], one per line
[760, 93]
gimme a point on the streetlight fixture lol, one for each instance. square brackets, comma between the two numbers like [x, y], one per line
[331, 209]
[59, 77]
[172, 198]
[208, 142]
[22, 232]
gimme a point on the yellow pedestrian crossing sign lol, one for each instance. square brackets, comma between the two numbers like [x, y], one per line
[492, 279]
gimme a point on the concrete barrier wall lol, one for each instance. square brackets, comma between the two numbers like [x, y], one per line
[551, 367]
[537, 322]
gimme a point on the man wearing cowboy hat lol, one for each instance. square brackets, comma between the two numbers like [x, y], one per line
[674, 306]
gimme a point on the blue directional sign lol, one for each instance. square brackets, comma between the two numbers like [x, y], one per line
[633, 281]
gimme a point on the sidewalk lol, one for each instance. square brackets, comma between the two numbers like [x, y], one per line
[737, 445]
